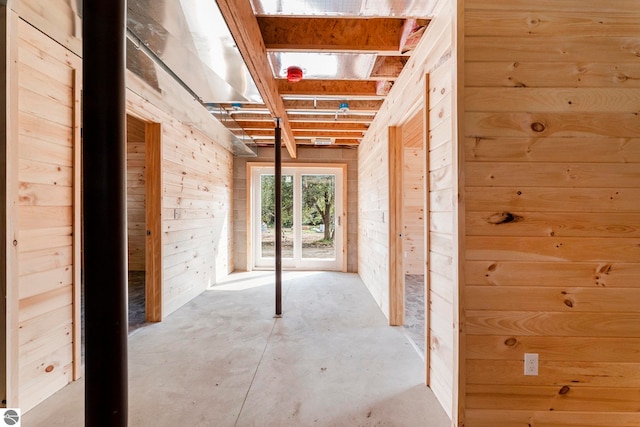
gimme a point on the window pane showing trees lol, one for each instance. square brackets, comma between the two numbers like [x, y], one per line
[268, 216]
[318, 216]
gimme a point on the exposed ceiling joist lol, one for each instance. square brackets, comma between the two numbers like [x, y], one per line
[307, 125]
[244, 27]
[339, 118]
[365, 106]
[344, 88]
[305, 34]
[388, 67]
[309, 134]
[321, 105]
[320, 118]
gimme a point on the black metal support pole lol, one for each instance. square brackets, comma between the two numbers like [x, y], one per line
[278, 185]
[105, 220]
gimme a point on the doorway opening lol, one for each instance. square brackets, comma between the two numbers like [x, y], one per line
[143, 213]
[413, 218]
[407, 230]
[313, 217]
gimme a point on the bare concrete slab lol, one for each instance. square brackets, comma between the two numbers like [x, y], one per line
[223, 360]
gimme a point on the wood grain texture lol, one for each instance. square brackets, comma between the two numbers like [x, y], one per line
[582, 74]
[191, 177]
[49, 212]
[347, 35]
[552, 204]
[136, 179]
[396, 243]
[569, 349]
[516, 418]
[413, 182]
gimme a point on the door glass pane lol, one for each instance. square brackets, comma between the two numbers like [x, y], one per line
[268, 216]
[318, 216]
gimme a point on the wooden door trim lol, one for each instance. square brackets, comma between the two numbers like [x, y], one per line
[396, 264]
[153, 221]
[77, 225]
[427, 226]
[9, 182]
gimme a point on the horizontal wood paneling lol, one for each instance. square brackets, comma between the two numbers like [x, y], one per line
[46, 264]
[413, 219]
[583, 274]
[515, 418]
[59, 19]
[552, 196]
[612, 150]
[194, 184]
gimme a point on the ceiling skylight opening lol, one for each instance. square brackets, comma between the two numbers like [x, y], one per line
[323, 65]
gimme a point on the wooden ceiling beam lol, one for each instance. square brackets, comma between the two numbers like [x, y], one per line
[309, 141]
[365, 106]
[337, 144]
[257, 133]
[343, 88]
[341, 118]
[360, 127]
[326, 105]
[245, 30]
[388, 67]
[306, 34]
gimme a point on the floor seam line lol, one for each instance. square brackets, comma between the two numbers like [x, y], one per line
[264, 351]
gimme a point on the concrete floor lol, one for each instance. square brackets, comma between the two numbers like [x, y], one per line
[223, 360]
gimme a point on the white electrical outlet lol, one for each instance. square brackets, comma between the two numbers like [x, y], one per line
[531, 363]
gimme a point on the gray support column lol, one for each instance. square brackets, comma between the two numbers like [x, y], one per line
[105, 220]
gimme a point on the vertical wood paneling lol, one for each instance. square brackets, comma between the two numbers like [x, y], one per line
[552, 171]
[434, 56]
[48, 197]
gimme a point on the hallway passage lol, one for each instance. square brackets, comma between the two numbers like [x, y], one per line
[223, 360]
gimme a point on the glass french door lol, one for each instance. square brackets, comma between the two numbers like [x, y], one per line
[312, 219]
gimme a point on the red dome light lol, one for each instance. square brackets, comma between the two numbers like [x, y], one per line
[294, 74]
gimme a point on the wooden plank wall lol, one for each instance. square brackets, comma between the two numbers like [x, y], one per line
[47, 99]
[59, 19]
[304, 155]
[433, 56]
[552, 147]
[136, 184]
[413, 195]
[196, 213]
[197, 191]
